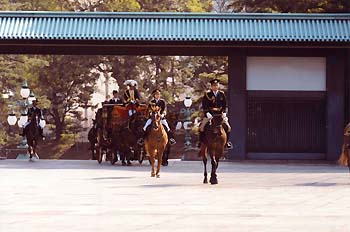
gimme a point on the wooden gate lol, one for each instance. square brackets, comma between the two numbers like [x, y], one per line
[286, 122]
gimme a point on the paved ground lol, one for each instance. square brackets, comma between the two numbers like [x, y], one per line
[61, 195]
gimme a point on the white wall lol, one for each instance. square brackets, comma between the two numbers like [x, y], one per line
[286, 73]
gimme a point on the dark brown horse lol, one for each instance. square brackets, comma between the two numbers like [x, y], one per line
[32, 135]
[214, 143]
[92, 137]
[345, 155]
[129, 135]
[156, 141]
[172, 118]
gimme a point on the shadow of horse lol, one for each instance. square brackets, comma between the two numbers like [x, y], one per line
[32, 135]
[344, 159]
[156, 141]
[214, 143]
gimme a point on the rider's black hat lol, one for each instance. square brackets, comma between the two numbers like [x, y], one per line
[214, 81]
[155, 91]
[115, 91]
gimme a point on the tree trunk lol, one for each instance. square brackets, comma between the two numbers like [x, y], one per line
[59, 124]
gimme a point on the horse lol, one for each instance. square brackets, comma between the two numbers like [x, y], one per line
[344, 159]
[128, 137]
[32, 135]
[156, 140]
[214, 143]
[125, 131]
[172, 119]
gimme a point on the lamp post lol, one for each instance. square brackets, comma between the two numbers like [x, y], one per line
[27, 99]
[187, 112]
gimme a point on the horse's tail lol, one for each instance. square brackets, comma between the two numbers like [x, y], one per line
[344, 157]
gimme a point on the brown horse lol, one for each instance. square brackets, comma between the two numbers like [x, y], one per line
[345, 155]
[32, 134]
[214, 143]
[156, 141]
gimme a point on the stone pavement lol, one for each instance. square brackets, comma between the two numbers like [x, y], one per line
[65, 195]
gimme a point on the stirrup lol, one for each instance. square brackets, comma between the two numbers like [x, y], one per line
[172, 141]
[229, 145]
[141, 142]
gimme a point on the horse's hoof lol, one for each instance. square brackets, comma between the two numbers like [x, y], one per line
[129, 164]
[153, 175]
[158, 176]
[213, 182]
[123, 164]
[205, 181]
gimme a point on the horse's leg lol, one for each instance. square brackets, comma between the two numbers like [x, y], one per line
[166, 155]
[213, 179]
[204, 157]
[160, 157]
[151, 159]
[128, 157]
[30, 151]
[348, 151]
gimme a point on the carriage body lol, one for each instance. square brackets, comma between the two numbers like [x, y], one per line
[114, 120]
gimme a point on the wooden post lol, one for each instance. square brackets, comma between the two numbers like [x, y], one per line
[335, 102]
[237, 103]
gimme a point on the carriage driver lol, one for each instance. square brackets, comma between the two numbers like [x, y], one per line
[131, 95]
[36, 112]
[214, 102]
[157, 101]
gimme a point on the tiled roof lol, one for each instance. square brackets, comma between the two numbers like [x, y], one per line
[174, 26]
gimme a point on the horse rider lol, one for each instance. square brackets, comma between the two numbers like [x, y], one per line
[157, 101]
[35, 113]
[115, 99]
[214, 102]
[131, 95]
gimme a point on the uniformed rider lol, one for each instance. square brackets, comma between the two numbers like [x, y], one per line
[157, 101]
[214, 102]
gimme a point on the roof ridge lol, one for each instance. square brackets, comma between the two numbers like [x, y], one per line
[177, 15]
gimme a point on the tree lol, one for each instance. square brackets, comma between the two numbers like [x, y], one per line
[68, 82]
[296, 6]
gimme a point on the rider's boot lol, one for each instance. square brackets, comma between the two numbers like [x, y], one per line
[24, 131]
[228, 142]
[141, 140]
[171, 138]
[200, 139]
[41, 132]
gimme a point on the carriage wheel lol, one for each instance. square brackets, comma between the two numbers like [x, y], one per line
[99, 154]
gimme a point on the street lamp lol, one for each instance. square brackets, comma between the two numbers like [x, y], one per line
[25, 90]
[27, 99]
[187, 112]
[11, 119]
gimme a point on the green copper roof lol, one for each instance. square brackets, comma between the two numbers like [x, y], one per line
[174, 26]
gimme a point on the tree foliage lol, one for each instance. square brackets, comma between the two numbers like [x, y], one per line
[69, 83]
[283, 6]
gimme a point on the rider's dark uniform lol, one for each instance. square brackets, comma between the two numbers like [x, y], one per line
[36, 113]
[215, 103]
[162, 105]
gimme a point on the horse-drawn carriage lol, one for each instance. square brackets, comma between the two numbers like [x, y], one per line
[117, 132]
